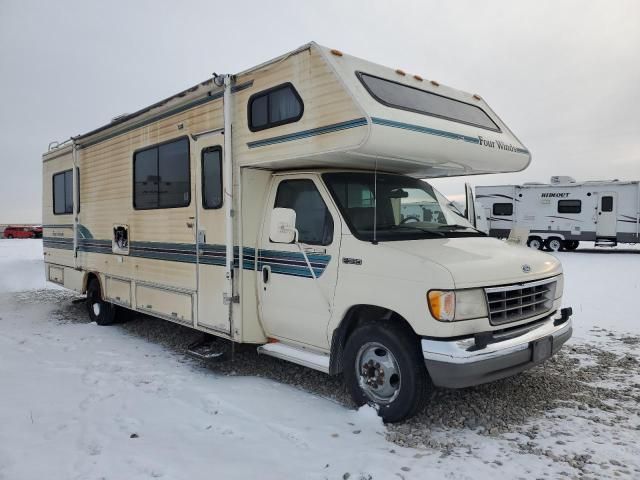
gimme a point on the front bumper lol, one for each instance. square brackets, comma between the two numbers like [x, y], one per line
[471, 361]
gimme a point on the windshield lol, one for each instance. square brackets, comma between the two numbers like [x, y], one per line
[407, 208]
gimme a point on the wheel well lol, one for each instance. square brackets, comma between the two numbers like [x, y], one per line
[356, 316]
[87, 279]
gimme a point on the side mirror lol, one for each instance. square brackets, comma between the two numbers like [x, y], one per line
[283, 225]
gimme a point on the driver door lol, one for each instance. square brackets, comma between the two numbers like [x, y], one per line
[293, 305]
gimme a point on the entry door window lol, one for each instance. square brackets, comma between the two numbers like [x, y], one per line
[607, 204]
[313, 220]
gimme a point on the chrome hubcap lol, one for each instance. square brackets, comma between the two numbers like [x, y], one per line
[378, 373]
[96, 309]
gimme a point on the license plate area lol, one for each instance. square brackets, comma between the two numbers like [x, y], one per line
[541, 349]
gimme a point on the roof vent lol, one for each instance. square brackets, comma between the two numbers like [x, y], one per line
[557, 179]
[119, 117]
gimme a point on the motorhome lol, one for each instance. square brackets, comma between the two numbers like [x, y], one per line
[562, 213]
[264, 207]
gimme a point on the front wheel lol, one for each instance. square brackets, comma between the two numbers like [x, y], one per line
[384, 367]
[9, 236]
[100, 311]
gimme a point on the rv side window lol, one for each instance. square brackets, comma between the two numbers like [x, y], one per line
[212, 177]
[63, 193]
[396, 95]
[161, 176]
[607, 204]
[277, 106]
[313, 220]
[569, 206]
[503, 209]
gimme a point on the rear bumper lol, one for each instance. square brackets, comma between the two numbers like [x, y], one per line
[463, 363]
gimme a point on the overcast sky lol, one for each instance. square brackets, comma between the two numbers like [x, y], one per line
[564, 75]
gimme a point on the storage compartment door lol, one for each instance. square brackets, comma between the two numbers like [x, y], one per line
[169, 304]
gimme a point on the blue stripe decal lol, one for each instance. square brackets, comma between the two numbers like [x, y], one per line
[336, 127]
[281, 262]
[432, 131]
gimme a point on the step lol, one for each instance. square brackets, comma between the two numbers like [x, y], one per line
[208, 350]
[307, 358]
[604, 242]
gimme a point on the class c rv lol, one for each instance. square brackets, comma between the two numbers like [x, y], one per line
[562, 213]
[265, 207]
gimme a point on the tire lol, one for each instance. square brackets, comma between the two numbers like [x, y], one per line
[100, 311]
[571, 245]
[403, 392]
[535, 242]
[554, 244]
[9, 236]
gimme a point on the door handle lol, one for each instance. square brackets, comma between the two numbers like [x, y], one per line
[266, 270]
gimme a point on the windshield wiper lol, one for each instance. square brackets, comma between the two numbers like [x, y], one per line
[456, 226]
[419, 229]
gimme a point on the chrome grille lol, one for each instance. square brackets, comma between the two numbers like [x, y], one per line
[512, 303]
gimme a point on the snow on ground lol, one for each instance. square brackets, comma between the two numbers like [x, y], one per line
[79, 401]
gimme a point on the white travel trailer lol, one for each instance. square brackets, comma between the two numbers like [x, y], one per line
[265, 208]
[564, 212]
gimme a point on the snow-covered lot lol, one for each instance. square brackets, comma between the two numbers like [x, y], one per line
[79, 401]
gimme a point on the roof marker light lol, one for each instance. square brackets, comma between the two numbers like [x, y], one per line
[337, 53]
[418, 77]
[476, 96]
[400, 72]
[434, 83]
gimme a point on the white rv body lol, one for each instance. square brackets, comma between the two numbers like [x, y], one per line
[229, 208]
[605, 212]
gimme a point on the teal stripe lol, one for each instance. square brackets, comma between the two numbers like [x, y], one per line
[281, 262]
[336, 127]
[432, 131]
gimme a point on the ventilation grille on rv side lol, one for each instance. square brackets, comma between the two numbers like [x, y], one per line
[512, 303]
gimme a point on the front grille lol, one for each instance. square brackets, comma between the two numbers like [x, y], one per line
[512, 303]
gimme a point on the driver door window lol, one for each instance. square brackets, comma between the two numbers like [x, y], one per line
[313, 220]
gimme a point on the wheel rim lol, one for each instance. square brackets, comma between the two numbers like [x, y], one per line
[554, 245]
[534, 244]
[378, 373]
[96, 309]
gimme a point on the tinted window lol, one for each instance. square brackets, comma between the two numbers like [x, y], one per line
[401, 96]
[212, 177]
[63, 193]
[313, 220]
[276, 106]
[607, 204]
[161, 176]
[569, 206]
[503, 209]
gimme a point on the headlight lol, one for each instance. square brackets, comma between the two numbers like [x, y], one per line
[451, 306]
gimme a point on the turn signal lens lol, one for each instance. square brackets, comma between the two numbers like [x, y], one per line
[442, 305]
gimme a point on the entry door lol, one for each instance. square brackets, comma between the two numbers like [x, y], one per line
[212, 313]
[294, 306]
[607, 215]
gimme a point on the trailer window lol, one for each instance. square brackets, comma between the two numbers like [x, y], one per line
[63, 192]
[274, 107]
[396, 95]
[503, 209]
[212, 177]
[607, 204]
[569, 206]
[313, 219]
[162, 176]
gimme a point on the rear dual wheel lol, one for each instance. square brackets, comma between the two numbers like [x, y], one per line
[100, 311]
[385, 368]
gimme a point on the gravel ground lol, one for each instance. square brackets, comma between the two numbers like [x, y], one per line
[585, 388]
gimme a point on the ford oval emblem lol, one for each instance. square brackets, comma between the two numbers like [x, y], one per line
[526, 268]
